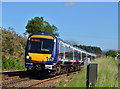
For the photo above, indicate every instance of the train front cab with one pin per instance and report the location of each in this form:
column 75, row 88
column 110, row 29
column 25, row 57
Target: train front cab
column 40, row 53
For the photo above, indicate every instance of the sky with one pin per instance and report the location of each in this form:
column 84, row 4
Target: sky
column 87, row 23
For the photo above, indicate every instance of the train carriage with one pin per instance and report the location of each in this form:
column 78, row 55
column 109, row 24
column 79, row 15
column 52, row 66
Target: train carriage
column 49, row 54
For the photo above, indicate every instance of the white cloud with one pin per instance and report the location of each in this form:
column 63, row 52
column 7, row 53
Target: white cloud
column 69, row 4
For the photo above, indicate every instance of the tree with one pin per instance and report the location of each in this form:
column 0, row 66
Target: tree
column 111, row 53
column 38, row 24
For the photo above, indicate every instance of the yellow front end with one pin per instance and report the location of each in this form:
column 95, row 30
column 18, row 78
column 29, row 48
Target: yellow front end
column 39, row 57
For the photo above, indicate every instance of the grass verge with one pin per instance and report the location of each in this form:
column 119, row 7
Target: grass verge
column 107, row 74
column 65, row 80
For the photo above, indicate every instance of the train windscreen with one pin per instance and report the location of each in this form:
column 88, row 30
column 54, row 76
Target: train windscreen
column 40, row 45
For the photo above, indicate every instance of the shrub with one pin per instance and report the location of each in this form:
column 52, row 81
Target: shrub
column 11, row 50
column 5, row 64
column 8, row 38
column 11, row 63
column 13, row 46
column 20, row 45
column 111, row 53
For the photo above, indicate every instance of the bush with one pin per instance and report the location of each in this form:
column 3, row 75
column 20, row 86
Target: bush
column 11, row 50
column 5, row 64
column 8, row 38
column 13, row 46
column 111, row 53
column 12, row 64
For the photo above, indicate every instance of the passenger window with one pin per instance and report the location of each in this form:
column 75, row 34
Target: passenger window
column 68, row 53
column 61, row 50
column 75, row 54
column 79, row 55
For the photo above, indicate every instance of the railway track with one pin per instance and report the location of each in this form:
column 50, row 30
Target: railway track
column 43, row 81
column 4, row 83
column 31, row 82
column 50, row 79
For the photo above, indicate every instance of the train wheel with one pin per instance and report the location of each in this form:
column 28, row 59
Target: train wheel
column 64, row 70
column 29, row 69
column 74, row 68
column 58, row 70
column 79, row 67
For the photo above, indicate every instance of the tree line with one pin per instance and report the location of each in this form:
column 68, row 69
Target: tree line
column 91, row 49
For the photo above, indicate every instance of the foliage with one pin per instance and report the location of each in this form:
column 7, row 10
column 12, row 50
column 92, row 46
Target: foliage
column 79, row 79
column 38, row 24
column 8, row 38
column 107, row 75
column 111, row 53
column 11, row 64
column 13, row 49
column 90, row 49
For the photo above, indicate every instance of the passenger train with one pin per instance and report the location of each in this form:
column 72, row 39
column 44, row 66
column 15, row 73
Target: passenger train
column 45, row 53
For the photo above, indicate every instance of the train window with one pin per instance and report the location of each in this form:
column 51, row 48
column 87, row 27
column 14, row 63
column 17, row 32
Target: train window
column 79, row 55
column 83, row 56
column 71, row 54
column 61, row 50
column 34, row 46
column 38, row 45
column 68, row 53
column 47, row 46
column 75, row 54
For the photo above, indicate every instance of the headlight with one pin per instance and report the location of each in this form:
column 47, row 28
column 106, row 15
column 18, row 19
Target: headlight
column 50, row 59
column 27, row 57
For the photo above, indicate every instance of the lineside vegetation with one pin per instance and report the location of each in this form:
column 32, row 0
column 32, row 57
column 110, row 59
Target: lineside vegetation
column 107, row 74
column 13, row 50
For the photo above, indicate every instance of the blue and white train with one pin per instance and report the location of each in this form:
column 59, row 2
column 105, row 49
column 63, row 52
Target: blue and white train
column 45, row 53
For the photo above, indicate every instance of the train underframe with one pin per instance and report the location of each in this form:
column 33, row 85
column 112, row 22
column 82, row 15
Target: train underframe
column 40, row 70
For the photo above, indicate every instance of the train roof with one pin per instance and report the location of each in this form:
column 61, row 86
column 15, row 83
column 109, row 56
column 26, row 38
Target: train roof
column 43, row 33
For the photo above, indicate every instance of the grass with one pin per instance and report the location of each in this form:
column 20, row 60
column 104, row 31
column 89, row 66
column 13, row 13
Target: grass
column 12, row 64
column 71, row 77
column 107, row 75
column 107, row 72
column 62, row 83
column 79, row 79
